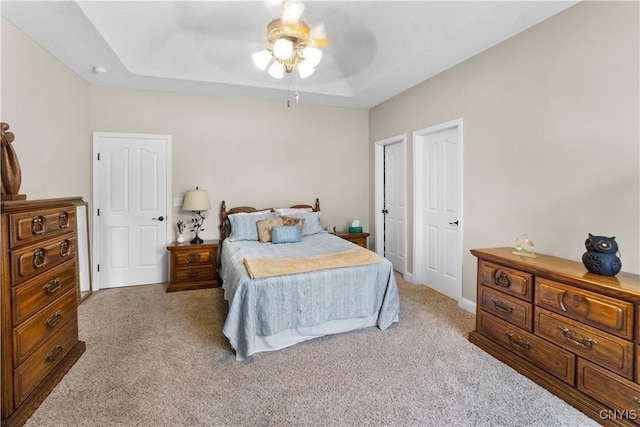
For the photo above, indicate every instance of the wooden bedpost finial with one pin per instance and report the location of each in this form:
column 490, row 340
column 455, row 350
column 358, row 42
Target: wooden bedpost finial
column 223, row 221
column 317, row 205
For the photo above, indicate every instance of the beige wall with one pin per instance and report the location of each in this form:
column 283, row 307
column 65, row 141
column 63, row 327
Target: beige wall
column 257, row 153
column 246, row 152
column 551, row 135
column 47, row 107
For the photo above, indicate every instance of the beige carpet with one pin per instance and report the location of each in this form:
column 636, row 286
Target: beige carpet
column 160, row 359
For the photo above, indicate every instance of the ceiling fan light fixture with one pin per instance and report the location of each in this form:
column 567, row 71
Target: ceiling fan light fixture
column 290, row 44
column 262, row 59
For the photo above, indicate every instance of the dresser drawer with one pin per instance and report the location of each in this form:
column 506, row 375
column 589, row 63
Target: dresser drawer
column 29, row 374
column 30, row 334
column 511, row 309
column 605, row 349
column 610, row 389
column 600, row 311
column 193, row 256
column 549, row 357
column 35, row 226
column 31, row 296
column 30, row 261
column 188, row 274
column 510, row 280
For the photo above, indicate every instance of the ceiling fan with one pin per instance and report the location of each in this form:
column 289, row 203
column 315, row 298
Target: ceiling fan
column 290, row 43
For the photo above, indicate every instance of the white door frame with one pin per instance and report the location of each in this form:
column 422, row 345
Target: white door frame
column 95, row 259
column 379, row 192
column 418, row 196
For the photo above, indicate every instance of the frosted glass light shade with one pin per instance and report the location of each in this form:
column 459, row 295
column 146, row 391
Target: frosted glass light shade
column 196, row 200
column 276, row 71
column 305, row 69
column 262, row 59
column 312, row 56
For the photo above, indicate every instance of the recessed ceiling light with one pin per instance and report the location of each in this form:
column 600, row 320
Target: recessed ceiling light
column 100, row 69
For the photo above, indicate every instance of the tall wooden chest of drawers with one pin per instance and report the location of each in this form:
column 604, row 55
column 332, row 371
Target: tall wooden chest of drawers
column 573, row 332
column 39, row 302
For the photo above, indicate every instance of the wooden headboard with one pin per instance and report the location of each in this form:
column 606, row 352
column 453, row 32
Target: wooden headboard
column 224, row 213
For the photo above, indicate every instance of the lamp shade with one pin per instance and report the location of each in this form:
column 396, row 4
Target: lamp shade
column 196, row 200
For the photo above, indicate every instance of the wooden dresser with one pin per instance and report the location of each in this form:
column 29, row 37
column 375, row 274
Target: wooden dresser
column 573, row 332
column 39, row 302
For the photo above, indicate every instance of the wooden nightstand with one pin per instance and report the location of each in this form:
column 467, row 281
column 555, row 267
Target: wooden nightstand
column 193, row 266
column 359, row 239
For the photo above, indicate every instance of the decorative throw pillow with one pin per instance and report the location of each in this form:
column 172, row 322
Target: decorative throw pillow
column 311, row 222
column 243, row 226
column 287, row 220
column 264, row 228
column 285, row 234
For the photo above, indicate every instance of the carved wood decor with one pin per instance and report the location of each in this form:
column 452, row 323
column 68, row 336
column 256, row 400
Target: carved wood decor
column 10, row 167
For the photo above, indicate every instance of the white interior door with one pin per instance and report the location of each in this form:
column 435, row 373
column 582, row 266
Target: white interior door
column 394, row 206
column 390, row 201
column 132, row 208
column 437, row 202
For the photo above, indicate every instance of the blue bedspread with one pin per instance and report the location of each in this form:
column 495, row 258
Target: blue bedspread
column 266, row 306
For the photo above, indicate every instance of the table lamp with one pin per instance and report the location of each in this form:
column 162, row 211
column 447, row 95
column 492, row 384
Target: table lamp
column 196, row 201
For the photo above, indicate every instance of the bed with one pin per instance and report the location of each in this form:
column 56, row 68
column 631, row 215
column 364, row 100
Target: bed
column 286, row 280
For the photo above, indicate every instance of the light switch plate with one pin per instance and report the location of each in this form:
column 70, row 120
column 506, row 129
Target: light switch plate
column 177, row 202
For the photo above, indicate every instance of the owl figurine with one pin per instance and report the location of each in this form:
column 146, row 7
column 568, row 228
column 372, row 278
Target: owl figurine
column 602, row 256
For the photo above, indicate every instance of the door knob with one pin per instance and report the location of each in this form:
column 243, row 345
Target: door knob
column 159, row 219
column 454, row 222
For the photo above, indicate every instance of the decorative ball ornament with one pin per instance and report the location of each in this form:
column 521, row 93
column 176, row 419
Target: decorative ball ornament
column 602, row 256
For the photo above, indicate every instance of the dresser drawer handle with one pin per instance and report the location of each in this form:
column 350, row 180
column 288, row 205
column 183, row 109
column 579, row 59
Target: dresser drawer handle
column 501, row 278
column 52, row 321
column 52, row 286
column 37, row 226
column 637, row 400
column 64, row 248
column 501, row 306
column 54, row 354
column 576, row 339
column 193, row 257
column 519, row 342
column 193, row 273
column 63, row 220
column 39, row 258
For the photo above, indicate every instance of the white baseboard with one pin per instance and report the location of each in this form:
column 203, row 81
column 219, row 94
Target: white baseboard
column 468, row 305
column 409, row 278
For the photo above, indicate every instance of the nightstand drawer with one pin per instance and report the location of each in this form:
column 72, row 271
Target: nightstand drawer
column 549, row 357
column 509, row 280
column 513, row 310
column 193, row 256
column 189, row 274
column 600, row 347
column 600, row 311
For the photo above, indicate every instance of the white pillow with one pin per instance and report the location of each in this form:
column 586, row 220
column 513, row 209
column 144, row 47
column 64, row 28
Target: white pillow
column 291, row 211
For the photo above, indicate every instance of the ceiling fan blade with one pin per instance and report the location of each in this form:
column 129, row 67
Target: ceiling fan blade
column 319, row 36
column 274, row 7
column 292, row 11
